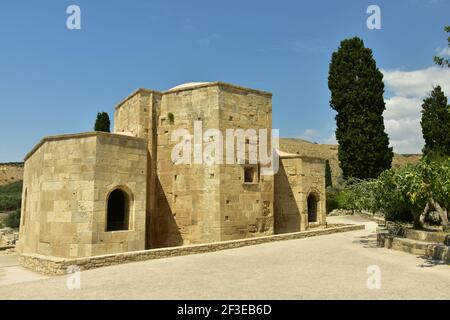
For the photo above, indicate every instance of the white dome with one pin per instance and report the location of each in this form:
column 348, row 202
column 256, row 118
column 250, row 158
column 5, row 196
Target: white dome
column 188, row 85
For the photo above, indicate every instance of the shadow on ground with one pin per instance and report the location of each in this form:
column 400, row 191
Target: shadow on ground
column 369, row 241
column 427, row 262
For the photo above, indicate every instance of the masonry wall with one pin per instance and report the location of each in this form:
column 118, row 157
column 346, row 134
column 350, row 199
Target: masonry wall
column 66, row 183
column 187, row 195
column 313, row 182
column 121, row 163
column 297, row 178
column 198, row 203
column 246, row 209
column 138, row 115
column 288, row 197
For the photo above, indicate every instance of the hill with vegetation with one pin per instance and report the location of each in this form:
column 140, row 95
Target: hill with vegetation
column 10, row 202
column 329, row 151
column 10, row 172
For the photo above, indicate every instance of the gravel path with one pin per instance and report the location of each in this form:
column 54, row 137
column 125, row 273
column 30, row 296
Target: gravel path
column 325, row 267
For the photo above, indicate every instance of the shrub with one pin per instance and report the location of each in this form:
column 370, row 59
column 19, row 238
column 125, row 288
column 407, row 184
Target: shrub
column 334, row 199
column 14, row 187
column 11, row 196
column 357, row 195
column 9, row 202
column 328, row 178
column 389, row 198
column 13, row 219
column 402, row 194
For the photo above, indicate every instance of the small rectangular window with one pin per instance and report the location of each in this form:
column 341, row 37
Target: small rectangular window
column 249, row 175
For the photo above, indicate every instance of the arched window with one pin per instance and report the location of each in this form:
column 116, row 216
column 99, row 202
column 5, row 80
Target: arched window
column 118, row 211
column 312, row 208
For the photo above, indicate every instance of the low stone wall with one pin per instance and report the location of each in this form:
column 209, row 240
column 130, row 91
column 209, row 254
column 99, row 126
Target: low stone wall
column 421, row 235
column 435, row 251
column 58, row 266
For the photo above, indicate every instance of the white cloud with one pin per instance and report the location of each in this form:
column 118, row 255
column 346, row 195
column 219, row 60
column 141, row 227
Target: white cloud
column 403, row 108
column 311, row 134
column 444, row 52
column 330, row 140
column 417, row 83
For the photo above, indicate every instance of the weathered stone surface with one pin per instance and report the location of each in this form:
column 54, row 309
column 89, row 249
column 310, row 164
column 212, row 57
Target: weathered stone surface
column 199, row 203
column 300, row 178
column 67, row 181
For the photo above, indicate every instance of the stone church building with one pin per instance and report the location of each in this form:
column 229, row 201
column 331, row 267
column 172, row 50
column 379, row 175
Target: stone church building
column 98, row 193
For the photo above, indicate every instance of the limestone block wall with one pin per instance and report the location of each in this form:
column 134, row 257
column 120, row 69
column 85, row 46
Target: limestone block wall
column 198, row 203
column 121, row 162
column 246, row 208
column 297, row 179
column 288, row 197
column 313, row 182
column 138, row 115
column 67, row 180
column 187, row 195
column 133, row 114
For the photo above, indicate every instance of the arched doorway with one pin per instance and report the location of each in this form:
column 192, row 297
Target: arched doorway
column 312, row 208
column 118, row 210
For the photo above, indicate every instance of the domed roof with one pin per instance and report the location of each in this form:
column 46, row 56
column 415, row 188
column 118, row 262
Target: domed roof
column 188, row 85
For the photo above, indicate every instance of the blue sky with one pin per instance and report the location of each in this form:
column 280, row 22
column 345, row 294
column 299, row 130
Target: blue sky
column 54, row 80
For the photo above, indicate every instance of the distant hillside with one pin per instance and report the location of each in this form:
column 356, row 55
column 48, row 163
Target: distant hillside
column 10, row 172
column 329, row 151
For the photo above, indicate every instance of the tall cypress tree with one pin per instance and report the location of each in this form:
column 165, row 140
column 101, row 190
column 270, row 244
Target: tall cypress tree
column 357, row 88
column 328, row 179
column 102, row 122
column 436, row 124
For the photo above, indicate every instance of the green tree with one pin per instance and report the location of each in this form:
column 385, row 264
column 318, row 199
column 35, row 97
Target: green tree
column 441, row 61
column 328, row 180
column 102, row 122
column 357, row 88
column 436, row 124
